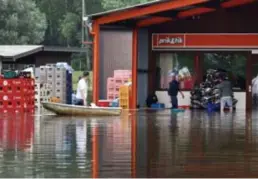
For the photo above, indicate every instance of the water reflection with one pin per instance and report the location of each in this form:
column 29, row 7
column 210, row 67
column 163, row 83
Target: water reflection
column 143, row 144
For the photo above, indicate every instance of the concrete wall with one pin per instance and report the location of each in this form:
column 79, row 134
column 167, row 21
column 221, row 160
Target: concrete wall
column 143, row 59
column 115, row 54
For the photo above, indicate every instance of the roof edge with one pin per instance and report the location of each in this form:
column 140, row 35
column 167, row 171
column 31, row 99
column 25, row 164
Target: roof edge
column 26, row 53
column 125, row 8
column 63, row 49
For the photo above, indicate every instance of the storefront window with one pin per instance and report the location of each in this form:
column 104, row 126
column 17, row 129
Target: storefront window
column 180, row 62
column 234, row 64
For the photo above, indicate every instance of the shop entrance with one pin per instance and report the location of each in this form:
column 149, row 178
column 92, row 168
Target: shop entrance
column 202, row 65
column 231, row 65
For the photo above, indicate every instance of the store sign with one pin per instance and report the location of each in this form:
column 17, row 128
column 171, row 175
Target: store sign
column 167, row 40
column 170, row 40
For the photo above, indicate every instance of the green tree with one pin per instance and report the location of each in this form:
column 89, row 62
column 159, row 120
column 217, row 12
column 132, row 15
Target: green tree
column 21, row 22
column 114, row 4
column 70, row 29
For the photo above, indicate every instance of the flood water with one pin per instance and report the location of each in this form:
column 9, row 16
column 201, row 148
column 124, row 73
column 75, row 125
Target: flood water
column 137, row 144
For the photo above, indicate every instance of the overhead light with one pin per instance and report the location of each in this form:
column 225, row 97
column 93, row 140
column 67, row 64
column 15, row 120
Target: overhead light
column 85, row 18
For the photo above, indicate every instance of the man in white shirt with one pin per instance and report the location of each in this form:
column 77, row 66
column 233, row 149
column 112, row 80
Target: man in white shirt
column 82, row 90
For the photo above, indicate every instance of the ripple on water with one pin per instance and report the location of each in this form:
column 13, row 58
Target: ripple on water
column 145, row 144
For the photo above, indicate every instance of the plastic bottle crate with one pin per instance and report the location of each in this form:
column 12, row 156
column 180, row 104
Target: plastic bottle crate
column 116, row 95
column 158, row 106
column 124, row 96
column 124, row 103
column 119, row 73
column 110, row 96
column 9, row 74
column 110, row 80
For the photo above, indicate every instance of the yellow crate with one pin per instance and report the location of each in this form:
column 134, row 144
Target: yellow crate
column 124, row 103
column 55, row 100
column 124, row 97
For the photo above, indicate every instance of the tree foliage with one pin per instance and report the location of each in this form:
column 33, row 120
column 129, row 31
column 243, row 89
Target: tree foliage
column 21, row 22
column 52, row 22
column 70, row 28
column 115, row 4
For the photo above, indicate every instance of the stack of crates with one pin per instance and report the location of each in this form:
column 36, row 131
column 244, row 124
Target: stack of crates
column 17, row 95
column 60, row 84
column 43, row 93
column 51, row 78
column 114, row 83
column 42, row 78
column 110, row 88
column 125, row 96
column 69, row 87
column 54, row 82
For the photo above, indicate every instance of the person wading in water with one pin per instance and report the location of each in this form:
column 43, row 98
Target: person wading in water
column 173, row 91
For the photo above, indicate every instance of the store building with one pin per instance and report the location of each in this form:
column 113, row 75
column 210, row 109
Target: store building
column 198, row 34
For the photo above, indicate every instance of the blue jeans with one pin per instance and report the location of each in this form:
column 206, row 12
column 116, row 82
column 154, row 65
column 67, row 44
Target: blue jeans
column 226, row 100
column 174, row 102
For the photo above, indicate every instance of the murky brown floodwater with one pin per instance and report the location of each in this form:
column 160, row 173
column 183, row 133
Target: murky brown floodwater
column 154, row 144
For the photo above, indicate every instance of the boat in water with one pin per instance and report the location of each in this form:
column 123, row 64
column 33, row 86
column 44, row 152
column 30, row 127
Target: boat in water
column 74, row 110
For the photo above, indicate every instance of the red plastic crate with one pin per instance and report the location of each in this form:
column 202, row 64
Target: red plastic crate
column 104, row 103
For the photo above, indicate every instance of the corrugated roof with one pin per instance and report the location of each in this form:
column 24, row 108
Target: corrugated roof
column 13, row 52
column 18, row 51
column 96, row 15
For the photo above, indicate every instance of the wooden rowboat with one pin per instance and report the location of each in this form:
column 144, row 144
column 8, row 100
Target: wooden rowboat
column 73, row 110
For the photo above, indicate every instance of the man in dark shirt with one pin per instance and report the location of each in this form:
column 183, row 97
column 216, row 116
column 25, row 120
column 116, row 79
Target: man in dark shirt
column 173, row 92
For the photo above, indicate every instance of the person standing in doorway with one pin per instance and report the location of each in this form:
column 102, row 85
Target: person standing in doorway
column 82, row 90
column 226, row 94
column 173, row 90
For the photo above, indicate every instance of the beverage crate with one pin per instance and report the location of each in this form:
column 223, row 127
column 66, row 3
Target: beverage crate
column 116, row 95
column 60, row 84
column 110, row 96
column 104, row 103
column 60, row 91
column 51, row 65
column 111, row 85
column 124, row 96
column 43, row 69
column 122, row 73
column 51, row 78
column 43, row 74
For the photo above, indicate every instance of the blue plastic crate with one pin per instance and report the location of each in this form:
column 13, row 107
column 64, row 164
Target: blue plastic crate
column 114, row 104
column 158, row 106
